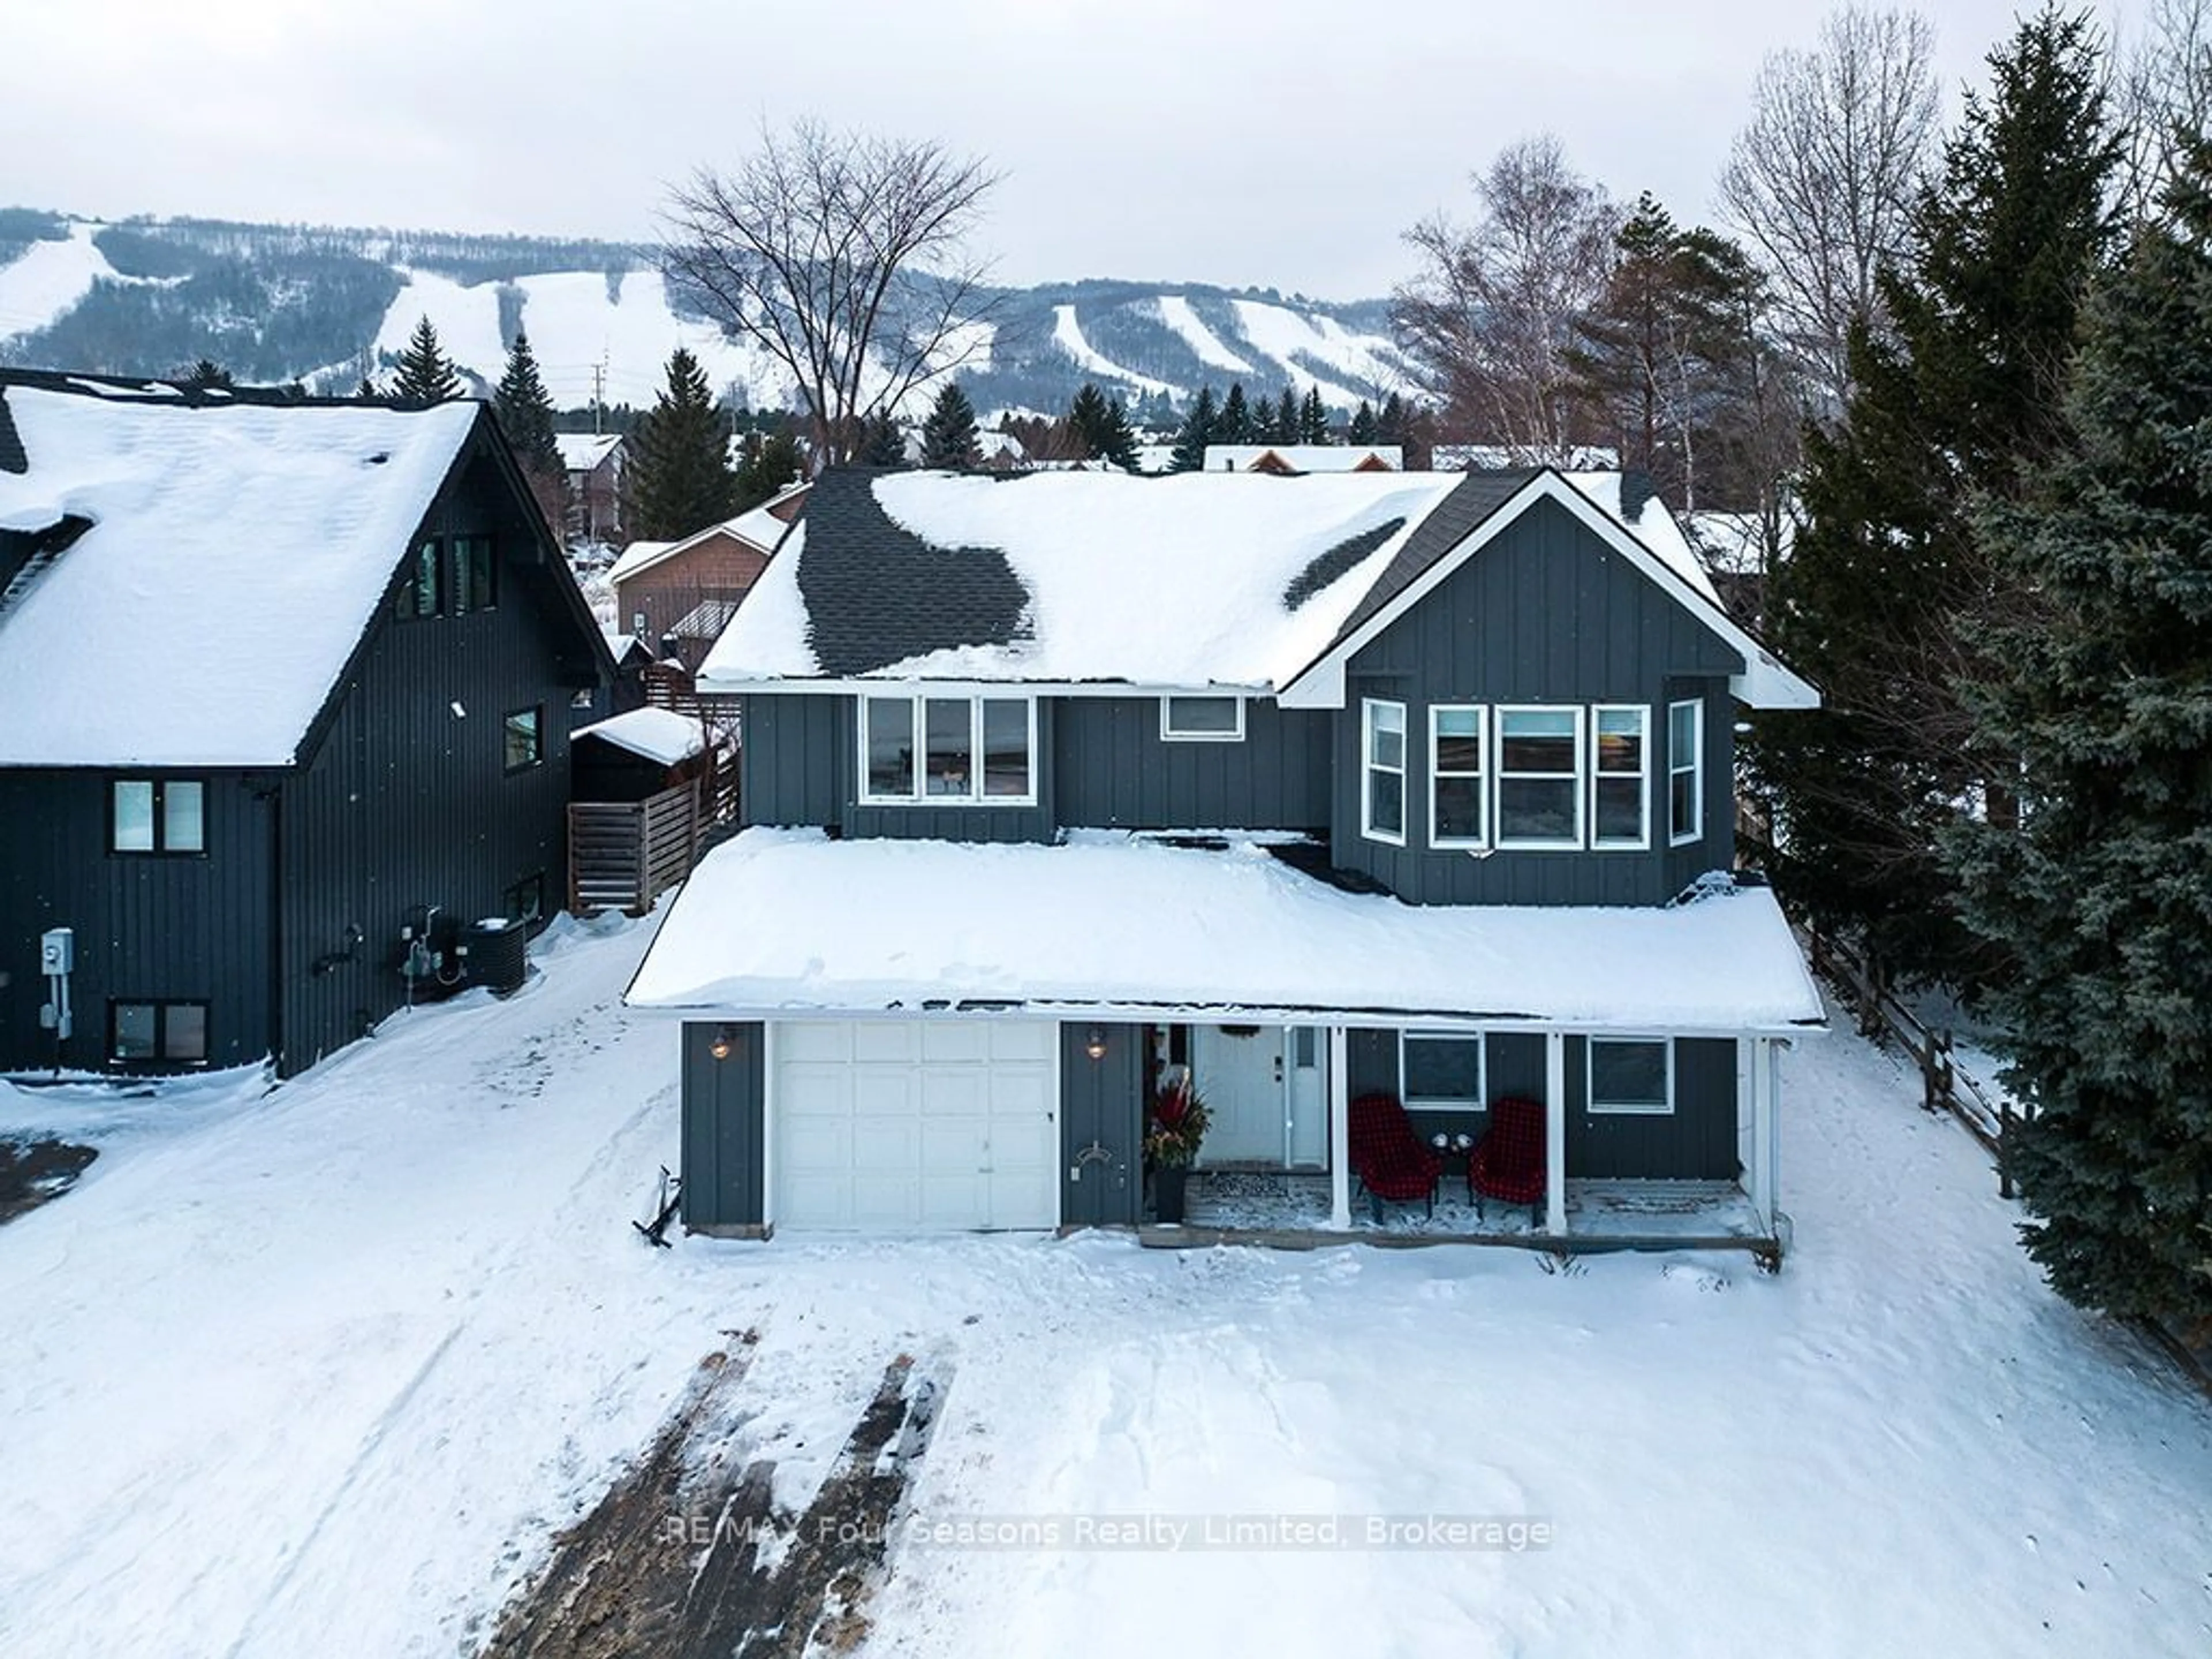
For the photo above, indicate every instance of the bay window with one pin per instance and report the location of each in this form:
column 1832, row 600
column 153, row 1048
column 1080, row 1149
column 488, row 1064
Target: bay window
column 1618, row 794
column 1383, row 771
column 1540, row 777
column 1457, row 780
column 1685, row 804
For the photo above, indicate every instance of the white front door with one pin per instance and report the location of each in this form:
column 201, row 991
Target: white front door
column 1239, row 1074
column 907, row 1126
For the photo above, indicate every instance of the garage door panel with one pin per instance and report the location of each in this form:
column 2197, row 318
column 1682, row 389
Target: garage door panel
column 902, row 1125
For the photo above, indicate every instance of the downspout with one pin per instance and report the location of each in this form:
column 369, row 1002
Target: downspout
column 278, row 917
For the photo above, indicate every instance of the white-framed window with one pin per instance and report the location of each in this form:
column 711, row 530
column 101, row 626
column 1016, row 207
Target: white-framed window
column 1631, row 1076
column 948, row 751
column 1540, row 778
column 1685, row 794
column 1459, row 774
column 1202, row 719
column 1383, row 770
column 1441, row 1070
column 1620, row 774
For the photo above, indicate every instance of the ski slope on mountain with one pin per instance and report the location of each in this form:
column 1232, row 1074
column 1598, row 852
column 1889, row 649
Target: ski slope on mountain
column 1067, row 335
column 48, row 278
column 1175, row 311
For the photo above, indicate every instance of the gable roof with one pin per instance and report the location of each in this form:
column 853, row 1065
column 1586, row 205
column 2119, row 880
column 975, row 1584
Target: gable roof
column 1304, row 458
column 1667, row 560
column 761, row 529
column 1199, row 579
column 237, row 552
column 583, row 451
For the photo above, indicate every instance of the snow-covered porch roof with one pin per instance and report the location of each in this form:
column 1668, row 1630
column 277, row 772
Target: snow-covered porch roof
column 790, row 922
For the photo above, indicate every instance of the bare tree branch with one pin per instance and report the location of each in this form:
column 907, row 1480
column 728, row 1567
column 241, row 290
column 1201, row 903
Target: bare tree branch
column 842, row 256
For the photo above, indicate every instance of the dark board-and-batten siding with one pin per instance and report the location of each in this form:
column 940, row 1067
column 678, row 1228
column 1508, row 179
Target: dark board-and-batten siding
column 1545, row 613
column 724, row 1158
column 148, row 927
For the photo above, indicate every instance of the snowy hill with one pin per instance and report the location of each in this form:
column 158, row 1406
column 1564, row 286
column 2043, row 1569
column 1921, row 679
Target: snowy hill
column 273, row 303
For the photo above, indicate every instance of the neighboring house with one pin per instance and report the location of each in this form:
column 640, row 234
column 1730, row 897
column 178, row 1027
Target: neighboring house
column 593, row 461
column 285, row 693
column 1292, row 459
column 678, row 596
column 1409, row 783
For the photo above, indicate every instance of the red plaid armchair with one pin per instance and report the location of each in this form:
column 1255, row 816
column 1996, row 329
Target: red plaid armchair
column 1508, row 1163
column 1391, row 1161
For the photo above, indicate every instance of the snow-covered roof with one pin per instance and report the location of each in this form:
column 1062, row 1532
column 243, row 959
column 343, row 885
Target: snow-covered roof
column 581, row 452
column 789, row 921
column 657, row 734
column 1305, row 458
column 1233, row 579
column 1650, row 523
column 1468, row 457
column 761, row 528
column 236, row 556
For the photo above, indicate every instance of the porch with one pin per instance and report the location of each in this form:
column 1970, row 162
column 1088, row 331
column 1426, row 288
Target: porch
column 1291, row 1210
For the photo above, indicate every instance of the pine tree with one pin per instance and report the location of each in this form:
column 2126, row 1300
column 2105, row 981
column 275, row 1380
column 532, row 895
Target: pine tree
column 524, row 412
column 948, row 436
column 1283, row 429
column 1198, row 431
column 1886, row 574
column 1392, row 424
column 2101, row 897
column 1361, row 429
column 425, row 375
column 1313, row 418
column 208, row 374
column 1234, row 424
column 679, row 479
column 1101, row 424
column 772, row 463
column 884, row 444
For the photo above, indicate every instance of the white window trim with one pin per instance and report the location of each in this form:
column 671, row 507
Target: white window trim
column 1596, row 1107
column 1169, row 734
column 1430, row 1103
column 1643, row 713
column 1497, row 775
column 1696, row 768
column 917, row 714
column 1368, row 766
column 1460, row 843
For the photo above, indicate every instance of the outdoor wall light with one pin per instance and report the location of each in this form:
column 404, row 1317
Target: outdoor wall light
column 1094, row 1045
column 725, row 1039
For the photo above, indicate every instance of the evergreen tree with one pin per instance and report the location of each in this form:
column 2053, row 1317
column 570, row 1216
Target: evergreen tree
column 208, row 374
column 772, row 463
column 884, row 444
column 1886, row 574
column 425, row 375
column 367, row 390
column 1362, row 430
column 525, row 413
column 679, row 479
column 2101, row 896
column 1234, row 424
column 1392, row 425
column 1285, row 428
column 948, row 436
column 1313, row 418
column 1198, row 431
column 1101, row 425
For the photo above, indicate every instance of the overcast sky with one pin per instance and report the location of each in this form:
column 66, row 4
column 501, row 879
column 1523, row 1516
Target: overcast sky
column 1283, row 144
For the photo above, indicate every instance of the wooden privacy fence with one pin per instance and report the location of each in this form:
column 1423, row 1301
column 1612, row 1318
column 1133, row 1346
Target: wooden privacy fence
column 1943, row 1086
column 624, row 855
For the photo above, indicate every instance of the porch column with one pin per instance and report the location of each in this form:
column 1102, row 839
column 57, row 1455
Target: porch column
column 1339, row 1130
column 1762, row 1131
column 1555, row 1132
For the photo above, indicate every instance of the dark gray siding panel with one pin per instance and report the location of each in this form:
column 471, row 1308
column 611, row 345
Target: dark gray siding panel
column 1544, row 614
column 407, row 803
column 1101, row 1128
column 1697, row 1143
column 1371, row 1057
column 790, row 769
column 147, row 928
column 725, row 1122
column 1112, row 771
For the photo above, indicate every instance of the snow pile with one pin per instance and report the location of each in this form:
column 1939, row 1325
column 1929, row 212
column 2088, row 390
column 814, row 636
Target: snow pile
column 790, row 920
column 236, row 556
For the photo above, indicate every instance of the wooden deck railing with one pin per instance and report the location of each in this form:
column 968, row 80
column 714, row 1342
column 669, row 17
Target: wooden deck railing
column 624, row 855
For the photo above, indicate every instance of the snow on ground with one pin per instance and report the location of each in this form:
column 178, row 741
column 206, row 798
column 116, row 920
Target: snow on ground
column 1179, row 314
column 1067, row 335
column 341, row 1359
column 48, row 278
column 1298, row 343
column 466, row 315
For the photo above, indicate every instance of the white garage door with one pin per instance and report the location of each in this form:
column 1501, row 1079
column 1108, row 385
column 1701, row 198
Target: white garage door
column 906, row 1126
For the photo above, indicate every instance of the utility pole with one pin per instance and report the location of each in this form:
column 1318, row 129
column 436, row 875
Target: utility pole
column 598, row 393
